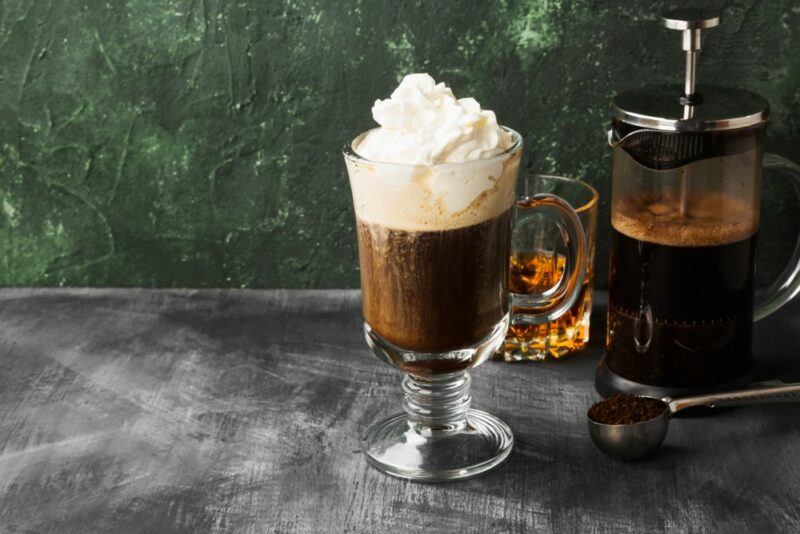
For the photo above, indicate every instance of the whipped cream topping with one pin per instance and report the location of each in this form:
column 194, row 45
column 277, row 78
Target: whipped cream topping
column 435, row 163
column 423, row 123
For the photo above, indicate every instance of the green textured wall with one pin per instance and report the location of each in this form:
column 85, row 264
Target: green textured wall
column 197, row 142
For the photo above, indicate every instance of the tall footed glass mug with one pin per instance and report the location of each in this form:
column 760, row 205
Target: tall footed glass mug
column 434, row 244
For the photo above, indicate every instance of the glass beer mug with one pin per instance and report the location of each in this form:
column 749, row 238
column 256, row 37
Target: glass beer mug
column 687, row 169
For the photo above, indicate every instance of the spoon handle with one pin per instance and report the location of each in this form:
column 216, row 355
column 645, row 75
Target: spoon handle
column 758, row 395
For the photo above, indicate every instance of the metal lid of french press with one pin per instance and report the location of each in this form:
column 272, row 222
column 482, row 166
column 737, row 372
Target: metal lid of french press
column 691, row 108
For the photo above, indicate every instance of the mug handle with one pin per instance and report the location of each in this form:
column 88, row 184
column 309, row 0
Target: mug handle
column 553, row 303
column 788, row 283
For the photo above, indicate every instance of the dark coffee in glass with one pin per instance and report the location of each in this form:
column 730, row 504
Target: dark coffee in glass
column 680, row 302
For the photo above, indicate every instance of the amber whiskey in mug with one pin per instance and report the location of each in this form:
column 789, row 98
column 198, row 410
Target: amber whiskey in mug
column 537, row 272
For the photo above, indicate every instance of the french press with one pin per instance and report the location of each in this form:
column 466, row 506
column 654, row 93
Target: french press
column 686, row 193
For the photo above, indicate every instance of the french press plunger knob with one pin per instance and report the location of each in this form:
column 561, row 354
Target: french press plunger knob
column 690, row 21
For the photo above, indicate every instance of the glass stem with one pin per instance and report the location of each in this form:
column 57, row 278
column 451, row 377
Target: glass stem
column 437, row 402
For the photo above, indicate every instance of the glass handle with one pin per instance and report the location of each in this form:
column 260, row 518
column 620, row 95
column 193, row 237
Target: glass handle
column 788, row 283
column 559, row 299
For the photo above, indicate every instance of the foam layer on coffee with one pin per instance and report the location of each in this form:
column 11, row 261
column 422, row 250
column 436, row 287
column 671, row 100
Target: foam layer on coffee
column 432, row 198
column 711, row 219
column 435, row 163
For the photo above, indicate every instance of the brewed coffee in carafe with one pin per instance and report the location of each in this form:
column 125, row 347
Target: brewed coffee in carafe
column 683, row 247
column 687, row 166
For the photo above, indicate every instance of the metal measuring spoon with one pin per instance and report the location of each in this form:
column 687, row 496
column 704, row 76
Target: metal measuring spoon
column 629, row 442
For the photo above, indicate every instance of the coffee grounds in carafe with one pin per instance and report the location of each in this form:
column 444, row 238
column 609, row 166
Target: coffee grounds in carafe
column 710, row 219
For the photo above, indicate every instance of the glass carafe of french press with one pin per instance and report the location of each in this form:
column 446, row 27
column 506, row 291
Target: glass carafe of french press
column 685, row 218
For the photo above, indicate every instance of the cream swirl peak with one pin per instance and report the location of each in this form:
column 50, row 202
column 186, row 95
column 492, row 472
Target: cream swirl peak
column 423, row 123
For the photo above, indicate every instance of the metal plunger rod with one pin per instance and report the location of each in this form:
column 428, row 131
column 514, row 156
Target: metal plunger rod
column 684, row 207
column 691, row 72
column 690, row 22
column 691, row 45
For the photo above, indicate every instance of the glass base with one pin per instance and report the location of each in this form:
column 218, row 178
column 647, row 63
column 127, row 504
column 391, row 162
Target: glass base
column 439, row 437
column 536, row 341
column 409, row 450
column 520, row 349
column 607, row 382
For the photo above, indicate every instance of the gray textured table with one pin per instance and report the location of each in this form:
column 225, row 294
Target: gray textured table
column 216, row 411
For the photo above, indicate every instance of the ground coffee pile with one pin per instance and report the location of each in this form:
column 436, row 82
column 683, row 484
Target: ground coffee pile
column 624, row 409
